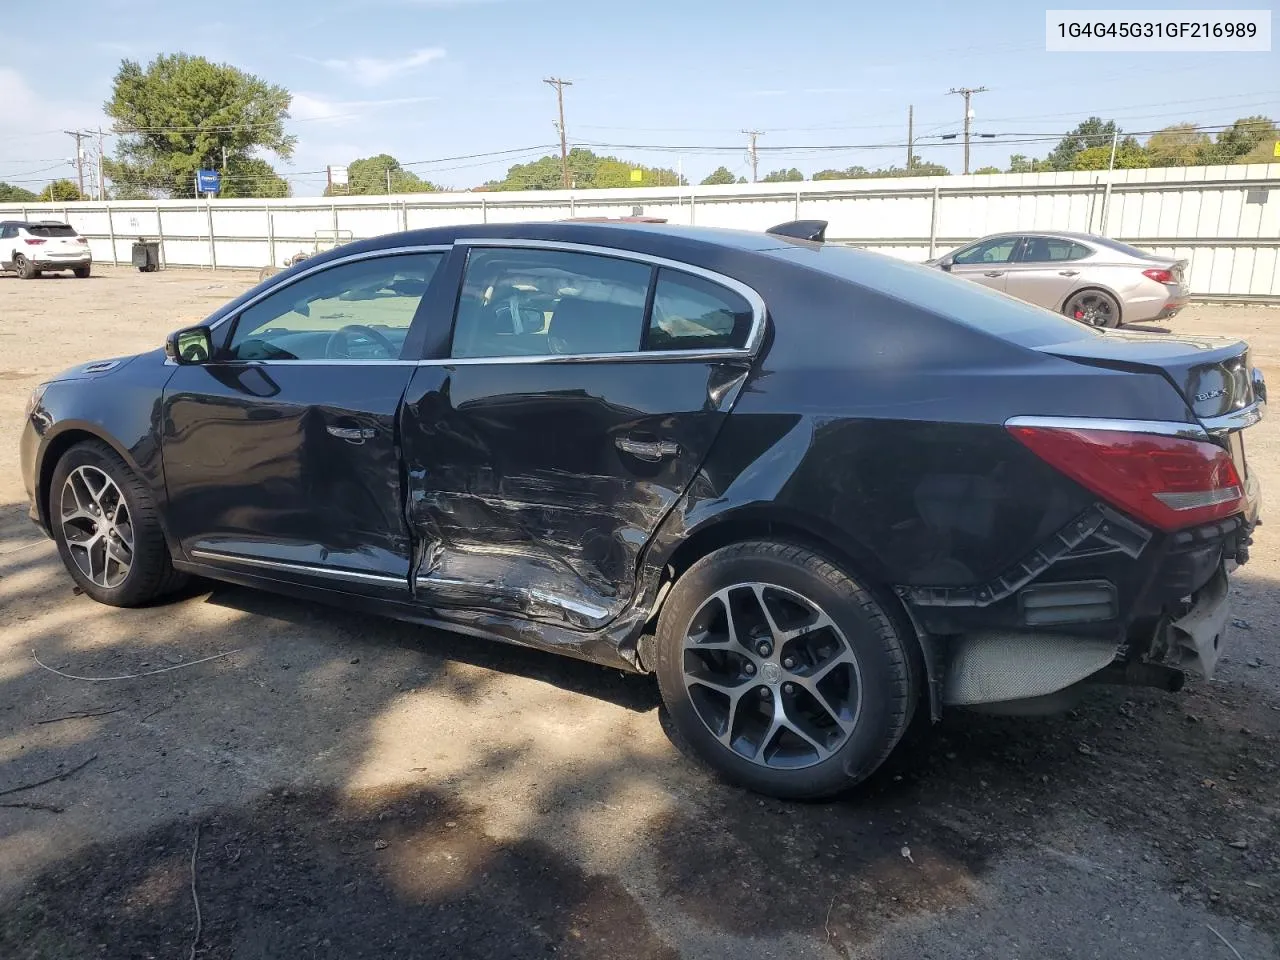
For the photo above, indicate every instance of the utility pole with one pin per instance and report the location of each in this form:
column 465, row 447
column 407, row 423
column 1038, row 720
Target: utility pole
column 388, row 181
column 967, row 92
column 564, row 141
column 910, row 133
column 224, row 161
column 754, row 154
column 102, row 170
column 79, row 135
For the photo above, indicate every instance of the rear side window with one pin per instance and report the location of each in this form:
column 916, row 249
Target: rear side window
column 526, row 302
column 690, row 313
column 1052, row 249
column 50, row 230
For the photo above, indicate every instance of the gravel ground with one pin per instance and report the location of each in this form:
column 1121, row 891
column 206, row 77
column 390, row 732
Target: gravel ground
column 342, row 786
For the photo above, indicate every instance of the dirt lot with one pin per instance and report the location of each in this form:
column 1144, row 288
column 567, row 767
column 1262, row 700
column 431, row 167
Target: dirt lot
column 361, row 788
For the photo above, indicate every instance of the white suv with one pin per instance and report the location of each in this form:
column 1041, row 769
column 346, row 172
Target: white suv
column 30, row 249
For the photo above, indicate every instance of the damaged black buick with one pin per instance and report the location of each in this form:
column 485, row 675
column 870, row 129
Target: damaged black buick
column 812, row 489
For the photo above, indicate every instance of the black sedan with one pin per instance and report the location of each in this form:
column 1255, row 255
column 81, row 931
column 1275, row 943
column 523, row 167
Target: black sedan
column 812, row 489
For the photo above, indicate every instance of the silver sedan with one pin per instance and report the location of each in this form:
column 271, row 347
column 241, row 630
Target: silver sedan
column 1094, row 279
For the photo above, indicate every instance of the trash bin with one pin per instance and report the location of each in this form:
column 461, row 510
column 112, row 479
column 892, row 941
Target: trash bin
column 146, row 255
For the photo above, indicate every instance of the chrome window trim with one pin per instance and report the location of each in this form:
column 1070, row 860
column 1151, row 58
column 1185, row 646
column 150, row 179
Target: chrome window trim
column 339, row 261
column 336, row 573
column 1236, row 420
column 758, row 309
column 1164, row 428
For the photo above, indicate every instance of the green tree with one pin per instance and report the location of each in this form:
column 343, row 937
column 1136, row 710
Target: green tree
column 1248, row 140
column 368, row 176
column 253, row 177
column 182, row 112
column 1177, row 145
column 61, row 191
column 11, row 194
column 849, row 173
column 783, row 176
column 988, row 170
column 742, row 179
column 1130, row 155
column 1021, row 163
column 1094, row 132
column 719, row 176
column 586, row 170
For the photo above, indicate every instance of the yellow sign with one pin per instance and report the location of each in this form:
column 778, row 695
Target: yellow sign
column 1275, row 151
column 638, row 175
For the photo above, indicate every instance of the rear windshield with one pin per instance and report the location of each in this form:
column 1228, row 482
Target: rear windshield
column 938, row 292
column 1118, row 246
column 50, row 230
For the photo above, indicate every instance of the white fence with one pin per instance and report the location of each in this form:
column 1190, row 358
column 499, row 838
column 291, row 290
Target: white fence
column 1225, row 220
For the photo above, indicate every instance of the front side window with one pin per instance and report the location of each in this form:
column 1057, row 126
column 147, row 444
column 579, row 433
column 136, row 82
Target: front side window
column 1052, row 250
column 359, row 310
column 996, row 250
column 690, row 313
column 520, row 302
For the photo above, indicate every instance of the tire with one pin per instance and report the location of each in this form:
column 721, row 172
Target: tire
column 149, row 574
column 847, row 646
column 1093, row 307
column 22, row 266
column 82, row 273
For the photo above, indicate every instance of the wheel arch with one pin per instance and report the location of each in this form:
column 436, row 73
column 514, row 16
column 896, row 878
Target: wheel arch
column 768, row 522
column 55, row 446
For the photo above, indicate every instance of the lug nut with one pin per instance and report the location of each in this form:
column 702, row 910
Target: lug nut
column 749, row 668
column 764, row 693
column 788, row 688
column 764, row 649
column 789, row 663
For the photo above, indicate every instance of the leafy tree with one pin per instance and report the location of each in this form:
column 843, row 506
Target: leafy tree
column 586, row 170
column 783, row 176
column 180, row 114
column 850, row 173
column 1248, row 140
column 918, row 168
column 1094, row 132
column 253, row 177
column 1130, row 155
column 61, row 191
column 988, row 170
column 368, row 176
column 719, row 176
column 1021, row 163
column 1177, row 145
column 742, row 179
column 11, row 194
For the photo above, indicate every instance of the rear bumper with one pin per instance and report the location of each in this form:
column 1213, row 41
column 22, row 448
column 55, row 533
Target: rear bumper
column 1155, row 301
column 63, row 263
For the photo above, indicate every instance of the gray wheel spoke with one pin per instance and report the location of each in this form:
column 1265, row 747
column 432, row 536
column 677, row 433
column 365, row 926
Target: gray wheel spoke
column 96, row 526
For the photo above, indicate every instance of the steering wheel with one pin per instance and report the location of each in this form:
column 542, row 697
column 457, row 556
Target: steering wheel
column 340, row 335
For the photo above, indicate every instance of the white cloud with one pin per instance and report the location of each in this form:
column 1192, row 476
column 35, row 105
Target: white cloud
column 312, row 107
column 371, row 71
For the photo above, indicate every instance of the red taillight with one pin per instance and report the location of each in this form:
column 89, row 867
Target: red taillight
column 1168, row 482
column 32, row 241
column 1160, row 276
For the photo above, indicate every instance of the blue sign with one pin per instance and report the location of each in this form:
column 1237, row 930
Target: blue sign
column 208, row 181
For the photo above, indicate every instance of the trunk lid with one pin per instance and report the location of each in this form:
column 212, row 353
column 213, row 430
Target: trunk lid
column 1214, row 376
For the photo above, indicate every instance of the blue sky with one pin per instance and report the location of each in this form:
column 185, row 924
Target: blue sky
column 429, row 79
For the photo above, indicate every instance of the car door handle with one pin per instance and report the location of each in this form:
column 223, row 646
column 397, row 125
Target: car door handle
column 648, row 450
column 352, row 434
column 993, row 273
column 1068, row 273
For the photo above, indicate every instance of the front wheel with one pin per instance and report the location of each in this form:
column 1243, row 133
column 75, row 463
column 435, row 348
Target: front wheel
column 1093, row 307
column 107, row 528
column 781, row 671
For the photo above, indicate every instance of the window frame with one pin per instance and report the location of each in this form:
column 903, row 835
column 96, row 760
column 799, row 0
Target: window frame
column 223, row 329
column 754, row 338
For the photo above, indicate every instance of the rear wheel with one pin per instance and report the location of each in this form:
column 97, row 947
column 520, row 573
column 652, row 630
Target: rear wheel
column 107, row 529
column 81, row 272
column 23, row 267
column 781, row 671
column 1093, row 307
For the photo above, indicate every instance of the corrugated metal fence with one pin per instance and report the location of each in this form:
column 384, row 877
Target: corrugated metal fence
column 1225, row 220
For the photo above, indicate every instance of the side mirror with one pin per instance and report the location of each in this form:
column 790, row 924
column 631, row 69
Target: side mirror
column 945, row 263
column 189, row 346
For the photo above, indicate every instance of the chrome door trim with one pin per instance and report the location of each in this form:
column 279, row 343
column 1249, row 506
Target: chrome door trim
column 758, row 309
column 1164, row 428
column 335, row 573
